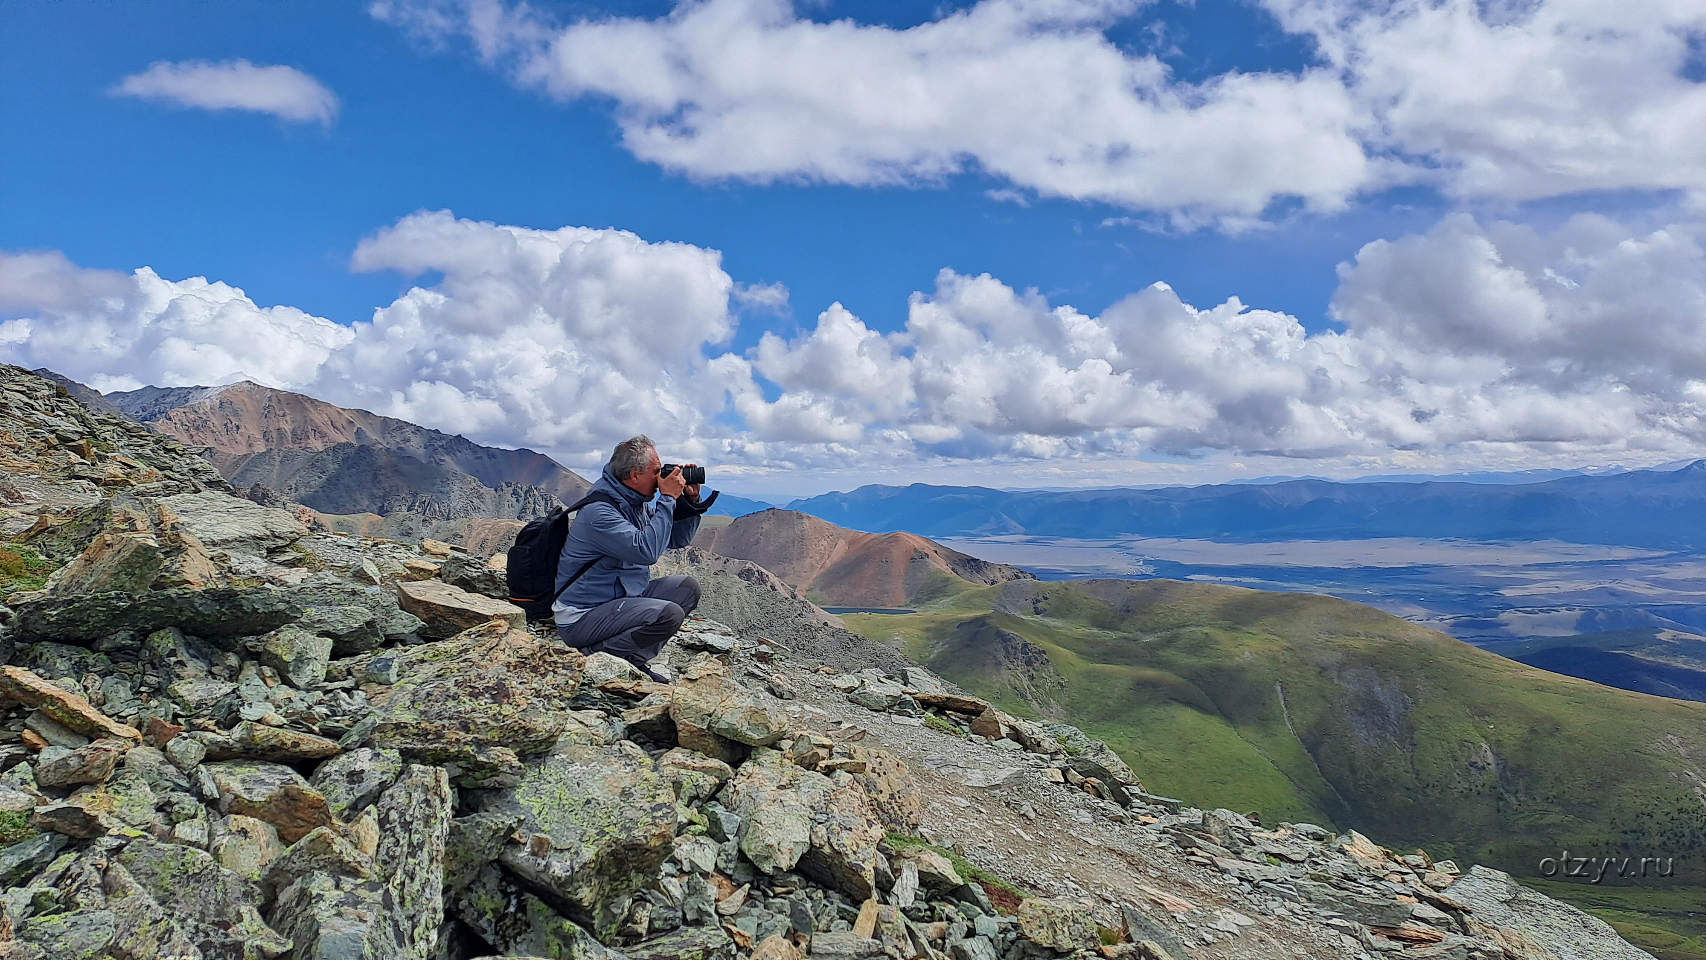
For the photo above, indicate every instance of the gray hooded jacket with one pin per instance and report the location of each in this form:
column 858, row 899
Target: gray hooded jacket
column 625, row 542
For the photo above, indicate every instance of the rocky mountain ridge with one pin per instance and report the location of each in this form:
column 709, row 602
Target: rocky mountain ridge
column 226, row 735
column 342, row 461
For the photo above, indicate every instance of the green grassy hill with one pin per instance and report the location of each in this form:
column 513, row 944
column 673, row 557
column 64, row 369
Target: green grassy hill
column 1304, row 707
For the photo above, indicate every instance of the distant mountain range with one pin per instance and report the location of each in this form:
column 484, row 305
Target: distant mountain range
column 837, row 567
column 1656, row 508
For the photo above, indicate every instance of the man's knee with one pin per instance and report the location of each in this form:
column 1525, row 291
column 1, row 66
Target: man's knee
column 689, row 594
column 671, row 615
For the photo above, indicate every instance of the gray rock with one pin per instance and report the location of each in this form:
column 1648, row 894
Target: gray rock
column 688, row 943
column 214, row 906
column 223, row 522
column 351, row 781
column 214, row 612
column 601, row 819
column 474, row 575
column 878, row 694
column 1498, row 901
column 91, row 764
column 22, row 860
column 299, row 657
column 333, row 918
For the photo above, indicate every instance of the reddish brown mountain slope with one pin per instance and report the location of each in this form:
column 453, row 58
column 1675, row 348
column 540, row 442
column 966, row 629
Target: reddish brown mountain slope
column 844, row 568
column 342, row 461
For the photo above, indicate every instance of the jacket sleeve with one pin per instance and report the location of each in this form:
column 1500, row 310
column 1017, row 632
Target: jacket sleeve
column 681, row 534
column 610, row 533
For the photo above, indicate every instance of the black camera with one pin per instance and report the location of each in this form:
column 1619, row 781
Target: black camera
column 691, row 475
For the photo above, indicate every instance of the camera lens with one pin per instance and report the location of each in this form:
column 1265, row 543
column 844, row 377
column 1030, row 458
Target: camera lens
column 693, row 475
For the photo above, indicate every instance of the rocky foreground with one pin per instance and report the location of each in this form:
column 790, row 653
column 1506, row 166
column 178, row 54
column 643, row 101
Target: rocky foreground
column 228, row 735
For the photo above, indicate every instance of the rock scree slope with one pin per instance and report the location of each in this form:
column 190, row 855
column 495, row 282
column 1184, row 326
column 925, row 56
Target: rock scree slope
column 319, row 776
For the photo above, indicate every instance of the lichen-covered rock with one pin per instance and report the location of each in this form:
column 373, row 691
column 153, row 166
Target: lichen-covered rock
column 446, row 610
column 414, row 822
column 718, row 718
column 352, row 780
column 600, row 819
column 478, row 702
column 271, row 792
column 775, row 799
column 214, row 906
column 688, row 943
column 889, row 786
column 71, row 768
column 1057, row 925
column 224, row 522
column 244, row 845
column 331, row 918
column 694, row 775
column 214, row 612
column 63, row 707
column 522, row 925
column 299, row 657
column 259, row 741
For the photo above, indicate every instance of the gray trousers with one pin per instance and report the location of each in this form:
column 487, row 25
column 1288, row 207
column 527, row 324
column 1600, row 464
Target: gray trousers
column 635, row 628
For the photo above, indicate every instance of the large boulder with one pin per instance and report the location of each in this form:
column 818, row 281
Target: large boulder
column 215, row 907
column 446, row 610
column 1496, row 902
column 717, row 717
column 600, row 821
column 520, row 924
column 221, row 521
column 776, row 799
column 1057, row 925
column 478, row 702
column 299, row 657
column 214, row 612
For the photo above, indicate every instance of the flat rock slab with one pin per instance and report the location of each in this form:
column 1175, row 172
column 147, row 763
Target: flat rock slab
column 62, row 707
column 446, row 610
column 225, row 522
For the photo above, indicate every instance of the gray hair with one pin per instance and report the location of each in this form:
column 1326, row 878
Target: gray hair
column 634, row 453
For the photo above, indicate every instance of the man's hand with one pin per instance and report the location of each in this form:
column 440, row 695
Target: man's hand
column 671, row 484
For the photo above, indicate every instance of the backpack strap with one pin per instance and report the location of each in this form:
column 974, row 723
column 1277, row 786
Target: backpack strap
column 595, row 496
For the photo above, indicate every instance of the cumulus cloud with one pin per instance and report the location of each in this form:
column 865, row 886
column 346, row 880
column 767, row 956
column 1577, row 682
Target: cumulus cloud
column 284, row 92
column 1482, row 100
column 1031, row 92
column 1480, row 343
column 118, row 331
column 1494, row 341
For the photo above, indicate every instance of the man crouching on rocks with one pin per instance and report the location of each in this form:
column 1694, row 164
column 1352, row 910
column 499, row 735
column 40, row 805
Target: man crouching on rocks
column 615, row 606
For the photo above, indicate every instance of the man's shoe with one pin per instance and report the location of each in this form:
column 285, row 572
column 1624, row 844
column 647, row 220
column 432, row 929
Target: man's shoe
column 657, row 675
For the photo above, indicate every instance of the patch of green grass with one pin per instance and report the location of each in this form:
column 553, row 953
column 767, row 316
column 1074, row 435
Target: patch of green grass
column 15, row 826
column 968, row 871
column 938, row 724
column 21, row 568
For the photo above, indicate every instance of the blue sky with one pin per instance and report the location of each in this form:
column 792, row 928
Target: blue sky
column 519, row 133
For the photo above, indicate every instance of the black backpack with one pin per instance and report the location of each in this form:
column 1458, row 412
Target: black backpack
column 532, row 570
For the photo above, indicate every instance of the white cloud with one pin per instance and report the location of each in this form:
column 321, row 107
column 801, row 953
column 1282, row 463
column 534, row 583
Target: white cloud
column 1502, row 101
column 284, row 92
column 120, row 331
column 1031, row 92
column 1482, row 344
